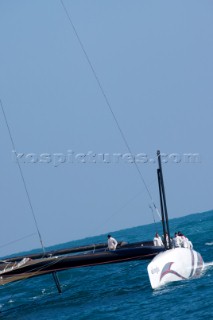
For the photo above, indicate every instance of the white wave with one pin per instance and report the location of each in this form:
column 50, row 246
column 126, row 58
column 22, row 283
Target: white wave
column 209, row 243
column 208, row 264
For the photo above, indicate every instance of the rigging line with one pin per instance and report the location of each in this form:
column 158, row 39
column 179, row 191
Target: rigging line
column 154, row 217
column 20, row 239
column 22, row 177
column 118, row 211
column 106, row 99
column 150, row 207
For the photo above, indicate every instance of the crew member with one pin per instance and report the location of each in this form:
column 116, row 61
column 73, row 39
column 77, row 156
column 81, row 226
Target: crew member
column 176, row 241
column 157, row 241
column 112, row 243
column 184, row 241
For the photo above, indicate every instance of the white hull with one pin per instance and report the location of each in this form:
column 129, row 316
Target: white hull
column 174, row 265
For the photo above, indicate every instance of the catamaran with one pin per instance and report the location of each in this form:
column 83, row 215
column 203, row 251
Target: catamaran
column 168, row 264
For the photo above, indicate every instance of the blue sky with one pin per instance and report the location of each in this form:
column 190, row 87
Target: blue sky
column 154, row 62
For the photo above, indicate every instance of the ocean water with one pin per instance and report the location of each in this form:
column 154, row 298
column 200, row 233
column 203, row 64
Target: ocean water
column 119, row 291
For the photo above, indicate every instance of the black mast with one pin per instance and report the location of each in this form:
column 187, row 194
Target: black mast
column 164, row 213
column 161, row 204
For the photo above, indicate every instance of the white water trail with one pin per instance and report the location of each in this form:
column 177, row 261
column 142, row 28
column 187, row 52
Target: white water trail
column 208, row 264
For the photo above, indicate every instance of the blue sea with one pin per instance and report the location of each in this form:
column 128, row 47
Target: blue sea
column 119, row 291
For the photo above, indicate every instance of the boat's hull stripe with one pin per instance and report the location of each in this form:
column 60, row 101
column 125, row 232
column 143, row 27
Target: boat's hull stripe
column 167, row 270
